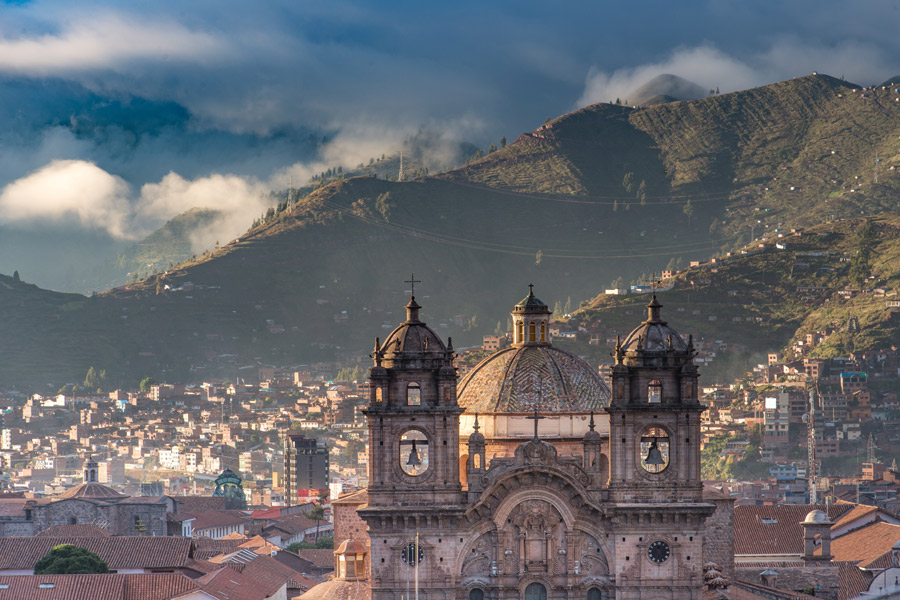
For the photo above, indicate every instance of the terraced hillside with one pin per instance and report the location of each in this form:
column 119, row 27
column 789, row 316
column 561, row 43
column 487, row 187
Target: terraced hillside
column 602, row 193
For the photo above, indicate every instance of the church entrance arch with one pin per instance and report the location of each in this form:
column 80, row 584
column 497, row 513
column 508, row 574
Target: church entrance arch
column 536, row 591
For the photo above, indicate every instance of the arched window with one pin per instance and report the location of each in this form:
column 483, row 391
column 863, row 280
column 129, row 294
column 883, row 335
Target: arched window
column 535, row 591
column 520, row 331
column 476, row 594
column 654, row 450
column 476, row 461
column 413, row 395
column 378, row 395
column 414, row 456
column 654, row 392
column 531, row 331
column 594, row 594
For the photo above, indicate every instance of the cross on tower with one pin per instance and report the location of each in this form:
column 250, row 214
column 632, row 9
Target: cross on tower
column 531, row 289
column 412, row 281
column 535, row 418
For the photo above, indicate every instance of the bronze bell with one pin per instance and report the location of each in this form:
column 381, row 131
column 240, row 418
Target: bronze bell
column 413, row 460
column 654, row 456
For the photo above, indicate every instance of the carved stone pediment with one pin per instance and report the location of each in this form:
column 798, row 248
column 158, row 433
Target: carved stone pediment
column 536, row 453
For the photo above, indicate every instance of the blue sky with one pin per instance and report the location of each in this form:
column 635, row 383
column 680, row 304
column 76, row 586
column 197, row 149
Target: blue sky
column 211, row 94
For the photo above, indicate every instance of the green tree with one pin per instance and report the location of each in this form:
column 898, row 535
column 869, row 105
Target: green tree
column 16, row 277
column 642, row 192
column 67, row 559
column 503, row 142
column 688, row 210
column 146, row 382
column 628, row 182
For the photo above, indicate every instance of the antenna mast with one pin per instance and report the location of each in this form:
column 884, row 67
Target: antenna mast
column 811, row 448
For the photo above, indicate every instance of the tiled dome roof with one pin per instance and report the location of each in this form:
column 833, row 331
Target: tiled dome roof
column 529, row 378
column 91, row 490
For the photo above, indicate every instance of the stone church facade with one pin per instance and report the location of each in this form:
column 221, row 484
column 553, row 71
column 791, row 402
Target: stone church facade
column 620, row 515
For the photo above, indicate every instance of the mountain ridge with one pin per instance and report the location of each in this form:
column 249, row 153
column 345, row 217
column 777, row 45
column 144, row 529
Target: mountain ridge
column 600, row 193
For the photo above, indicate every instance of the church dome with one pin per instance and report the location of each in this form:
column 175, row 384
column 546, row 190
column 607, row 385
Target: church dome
column 412, row 340
column 92, row 491
column 654, row 334
column 523, row 379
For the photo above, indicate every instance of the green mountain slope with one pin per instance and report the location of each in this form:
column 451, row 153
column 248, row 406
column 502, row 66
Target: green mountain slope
column 560, row 207
column 767, row 299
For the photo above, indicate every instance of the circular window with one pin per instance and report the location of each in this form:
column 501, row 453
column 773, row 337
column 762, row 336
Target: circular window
column 654, row 450
column 413, row 457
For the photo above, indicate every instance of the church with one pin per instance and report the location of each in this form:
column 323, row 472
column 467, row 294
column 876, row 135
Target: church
column 531, row 478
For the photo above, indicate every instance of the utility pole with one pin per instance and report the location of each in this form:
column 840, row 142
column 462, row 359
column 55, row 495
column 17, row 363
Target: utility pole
column 400, row 175
column 811, row 449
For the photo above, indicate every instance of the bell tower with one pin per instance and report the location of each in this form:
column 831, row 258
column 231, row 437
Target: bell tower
column 655, row 488
column 655, row 415
column 415, row 498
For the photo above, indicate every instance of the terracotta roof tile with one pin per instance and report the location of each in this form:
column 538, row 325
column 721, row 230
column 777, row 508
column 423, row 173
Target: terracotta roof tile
column 125, row 552
column 215, row 518
column 85, row 530
column 775, row 530
column 322, row 558
column 852, row 581
column 867, row 544
column 94, row 587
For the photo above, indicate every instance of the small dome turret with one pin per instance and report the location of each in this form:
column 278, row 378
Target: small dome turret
column 531, row 321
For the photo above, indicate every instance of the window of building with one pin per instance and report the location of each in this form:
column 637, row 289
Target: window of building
column 520, row 331
column 535, row 591
column 476, row 594
column 413, row 395
column 654, row 392
column 531, row 332
column 73, row 521
column 379, row 395
column 543, row 332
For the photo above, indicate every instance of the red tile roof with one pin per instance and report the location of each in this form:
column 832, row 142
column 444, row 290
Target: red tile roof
column 867, row 544
column 322, row 558
column 775, row 530
column 125, row 552
column 216, row 518
column 94, row 587
column 85, row 530
column 852, row 581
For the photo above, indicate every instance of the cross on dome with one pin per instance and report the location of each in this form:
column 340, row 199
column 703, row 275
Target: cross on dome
column 412, row 281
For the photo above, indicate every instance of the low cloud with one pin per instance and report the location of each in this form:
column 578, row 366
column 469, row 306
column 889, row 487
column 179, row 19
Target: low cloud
column 74, row 192
column 105, row 41
column 238, row 199
column 65, row 191
column 712, row 68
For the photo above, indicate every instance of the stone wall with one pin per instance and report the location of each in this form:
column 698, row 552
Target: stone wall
column 823, row 579
column 348, row 524
column 16, row 527
column 718, row 541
